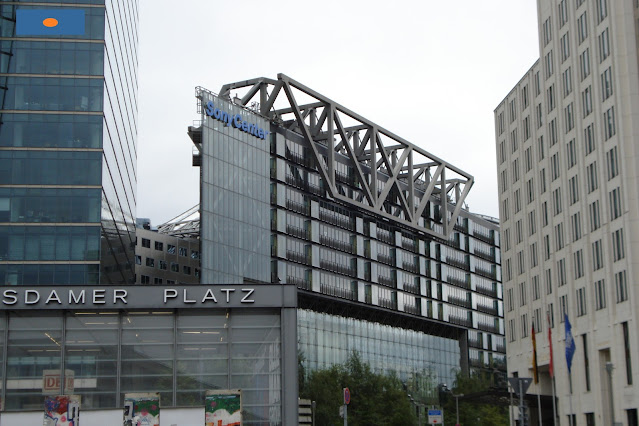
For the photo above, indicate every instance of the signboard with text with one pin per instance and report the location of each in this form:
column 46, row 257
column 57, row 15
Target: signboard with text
column 435, row 417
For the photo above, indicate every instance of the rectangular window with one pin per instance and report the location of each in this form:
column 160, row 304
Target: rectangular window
column 500, row 123
column 175, row 267
column 612, row 163
column 524, row 97
column 586, row 365
column 528, row 161
column 556, row 201
column 513, row 110
column 524, row 325
column 606, row 84
column 569, row 117
column 621, row 286
column 163, row 265
column 540, row 148
column 546, row 247
column 561, row 272
column 604, row 45
column 600, row 294
column 551, row 314
column 548, row 281
column 145, row 279
column 519, row 234
column 506, row 239
column 522, row 294
column 555, row 167
column 542, row 180
column 521, row 265
column 549, row 64
column 615, row 203
column 533, row 255
column 537, row 84
column 565, row 47
column 530, row 187
column 547, row 29
column 535, row 286
column 609, row 123
column 532, row 223
column 509, row 300
column 586, row 101
column 563, row 307
column 571, row 152
column 581, row 302
column 584, row 64
column 513, row 140
column 157, row 280
column 539, row 115
column 550, row 94
column 170, row 249
column 183, row 251
column 544, row 213
column 592, row 180
column 517, row 201
column 626, row 350
column 589, row 138
column 618, row 251
column 515, row 170
column 186, row 270
column 505, row 210
column 602, row 10
column 552, row 128
column 502, row 152
column 526, row 127
column 578, row 267
column 537, row 317
column 573, row 190
column 511, row 330
column 595, row 218
column 575, row 225
column 563, row 13
column 150, row 262
column 146, row 243
column 597, row 255
column 159, row 246
column 582, row 27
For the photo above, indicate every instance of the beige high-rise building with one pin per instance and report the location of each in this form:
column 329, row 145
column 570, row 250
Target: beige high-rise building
column 568, row 166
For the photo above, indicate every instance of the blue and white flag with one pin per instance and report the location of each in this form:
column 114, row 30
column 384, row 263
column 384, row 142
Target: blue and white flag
column 570, row 343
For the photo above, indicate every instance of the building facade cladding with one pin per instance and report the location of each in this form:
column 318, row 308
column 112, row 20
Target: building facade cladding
column 67, row 148
column 565, row 138
column 346, row 257
column 162, row 259
column 179, row 353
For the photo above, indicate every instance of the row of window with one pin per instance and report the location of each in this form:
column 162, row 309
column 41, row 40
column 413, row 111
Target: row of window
column 170, row 248
column 164, row 265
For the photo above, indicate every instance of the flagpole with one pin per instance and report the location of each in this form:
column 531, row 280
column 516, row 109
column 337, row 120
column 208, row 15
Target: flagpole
column 570, row 397
column 551, row 371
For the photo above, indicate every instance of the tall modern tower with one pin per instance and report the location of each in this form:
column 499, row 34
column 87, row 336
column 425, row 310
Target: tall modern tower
column 566, row 139
column 68, row 125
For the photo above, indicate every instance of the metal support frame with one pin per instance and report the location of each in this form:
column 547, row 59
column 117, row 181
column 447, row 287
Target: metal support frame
column 393, row 178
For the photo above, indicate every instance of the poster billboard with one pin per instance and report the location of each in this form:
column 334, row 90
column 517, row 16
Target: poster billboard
column 223, row 408
column 62, row 410
column 142, row 409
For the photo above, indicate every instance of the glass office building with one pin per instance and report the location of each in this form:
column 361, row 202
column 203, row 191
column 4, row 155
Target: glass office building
column 68, row 112
column 414, row 294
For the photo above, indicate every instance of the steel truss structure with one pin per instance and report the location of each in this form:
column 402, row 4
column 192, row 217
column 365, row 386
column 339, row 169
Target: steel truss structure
column 185, row 225
column 391, row 177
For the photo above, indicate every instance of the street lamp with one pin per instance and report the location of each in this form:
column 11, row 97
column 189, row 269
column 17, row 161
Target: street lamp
column 457, row 406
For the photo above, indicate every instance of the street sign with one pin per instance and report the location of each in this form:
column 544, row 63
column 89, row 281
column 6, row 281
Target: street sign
column 525, row 384
column 347, row 396
column 435, row 417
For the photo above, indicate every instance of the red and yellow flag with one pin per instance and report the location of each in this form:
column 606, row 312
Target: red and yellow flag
column 550, row 368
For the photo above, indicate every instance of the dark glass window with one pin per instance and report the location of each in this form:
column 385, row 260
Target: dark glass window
column 51, row 130
column 49, row 205
column 52, row 57
column 50, row 168
column 49, row 243
column 53, row 94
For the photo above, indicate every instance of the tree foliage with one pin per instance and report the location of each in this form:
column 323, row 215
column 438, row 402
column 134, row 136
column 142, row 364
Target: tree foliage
column 471, row 414
column 376, row 399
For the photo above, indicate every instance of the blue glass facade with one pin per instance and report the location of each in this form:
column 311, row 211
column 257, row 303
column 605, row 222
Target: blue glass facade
column 68, row 112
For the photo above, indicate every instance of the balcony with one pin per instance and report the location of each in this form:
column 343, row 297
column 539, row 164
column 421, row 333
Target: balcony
column 488, row 327
column 388, row 260
column 299, row 282
column 460, row 301
column 336, row 244
column 387, row 281
column 465, row 322
column 298, row 257
column 340, row 292
column 491, row 310
column 487, row 291
column 486, row 256
column 458, row 282
column 486, row 273
column 461, row 264
column 413, row 309
column 411, row 288
column 484, row 237
column 337, row 220
column 301, row 208
column 388, row 303
column 296, row 232
column 411, row 267
column 339, row 268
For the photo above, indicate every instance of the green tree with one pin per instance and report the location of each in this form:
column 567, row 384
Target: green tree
column 376, row 399
column 472, row 414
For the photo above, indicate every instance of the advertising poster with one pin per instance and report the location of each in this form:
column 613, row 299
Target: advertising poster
column 62, row 410
column 223, row 408
column 142, row 409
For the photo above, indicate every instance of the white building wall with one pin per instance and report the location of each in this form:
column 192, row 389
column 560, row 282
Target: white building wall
column 602, row 326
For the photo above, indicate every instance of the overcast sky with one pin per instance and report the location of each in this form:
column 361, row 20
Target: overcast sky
column 432, row 72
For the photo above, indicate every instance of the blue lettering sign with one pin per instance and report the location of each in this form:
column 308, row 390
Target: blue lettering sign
column 235, row 120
